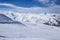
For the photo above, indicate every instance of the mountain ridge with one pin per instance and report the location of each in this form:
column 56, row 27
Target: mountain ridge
column 48, row 19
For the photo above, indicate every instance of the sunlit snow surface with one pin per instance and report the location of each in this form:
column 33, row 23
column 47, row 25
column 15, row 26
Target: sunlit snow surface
column 29, row 32
column 28, row 29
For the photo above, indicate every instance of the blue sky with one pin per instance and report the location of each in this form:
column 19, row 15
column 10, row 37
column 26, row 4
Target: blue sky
column 24, row 3
column 29, row 3
column 51, row 6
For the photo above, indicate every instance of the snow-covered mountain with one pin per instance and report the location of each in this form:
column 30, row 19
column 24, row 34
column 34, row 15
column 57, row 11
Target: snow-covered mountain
column 7, row 20
column 48, row 19
column 4, row 18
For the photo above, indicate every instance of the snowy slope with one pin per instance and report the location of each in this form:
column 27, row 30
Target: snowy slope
column 41, row 32
column 35, row 28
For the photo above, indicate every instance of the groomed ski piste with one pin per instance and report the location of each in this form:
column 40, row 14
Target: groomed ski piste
column 31, row 27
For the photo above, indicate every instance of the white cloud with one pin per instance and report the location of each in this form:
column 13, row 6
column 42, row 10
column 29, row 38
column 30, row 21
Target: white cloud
column 53, row 9
column 43, row 1
column 9, row 5
column 6, row 4
column 47, row 2
column 22, row 9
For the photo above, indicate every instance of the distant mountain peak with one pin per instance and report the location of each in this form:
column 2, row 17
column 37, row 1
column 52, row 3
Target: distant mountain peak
column 6, row 20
